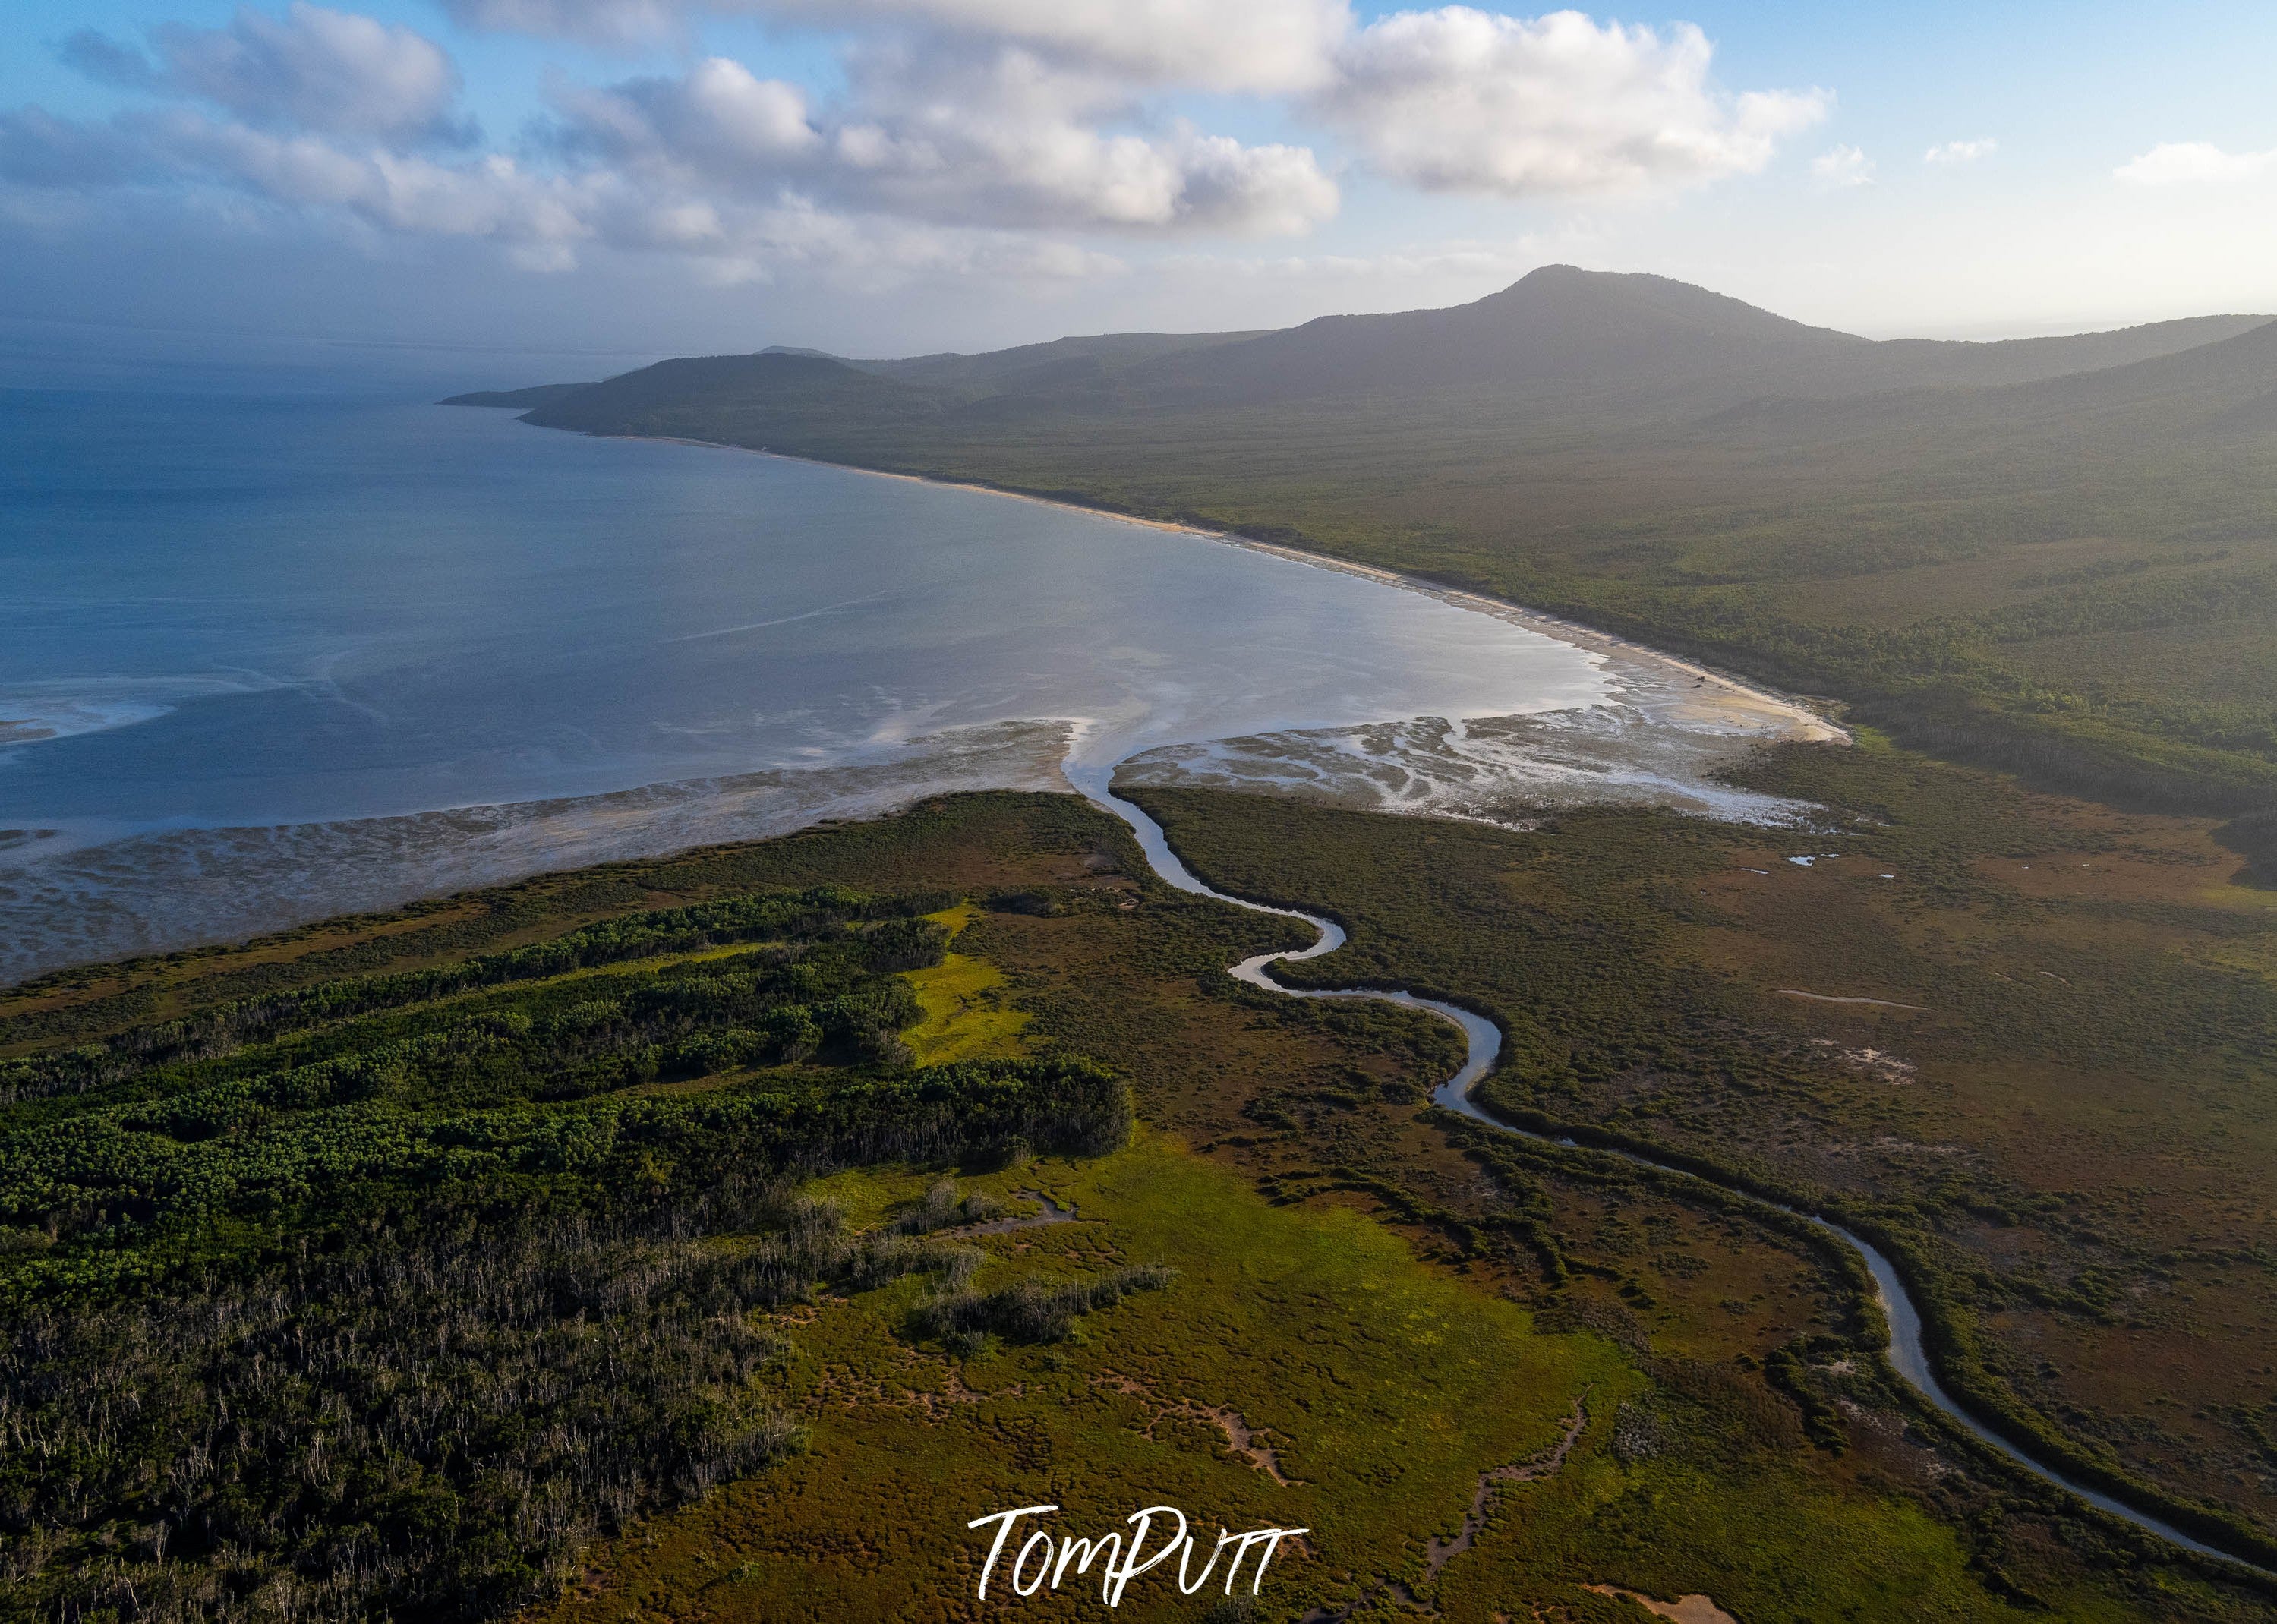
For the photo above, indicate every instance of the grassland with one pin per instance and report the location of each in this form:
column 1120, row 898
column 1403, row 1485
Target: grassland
column 1389, row 1303
column 1381, row 1389
column 964, row 1012
column 2056, row 1111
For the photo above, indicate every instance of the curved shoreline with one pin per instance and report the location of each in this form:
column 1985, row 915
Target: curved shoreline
column 69, row 901
column 1908, row 1351
column 1805, row 725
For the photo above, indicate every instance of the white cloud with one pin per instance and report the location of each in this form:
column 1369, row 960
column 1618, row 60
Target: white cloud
column 1260, row 45
column 1956, row 152
column 1463, row 100
column 606, row 22
column 1006, row 138
column 541, row 221
column 996, row 138
column 1262, row 191
column 312, row 68
column 745, row 113
column 1842, row 166
column 959, row 132
column 2195, row 163
column 490, row 196
column 720, row 114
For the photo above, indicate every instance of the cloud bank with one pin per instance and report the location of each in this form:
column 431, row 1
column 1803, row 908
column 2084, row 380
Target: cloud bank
column 1030, row 138
column 1842, row 167
column 2195, row 164
column 312, row 69
column 1958, row 152
column 1001, row 140
column 1467, row 101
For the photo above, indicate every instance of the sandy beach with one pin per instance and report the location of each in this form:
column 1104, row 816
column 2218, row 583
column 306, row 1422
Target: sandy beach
column 1664, row 685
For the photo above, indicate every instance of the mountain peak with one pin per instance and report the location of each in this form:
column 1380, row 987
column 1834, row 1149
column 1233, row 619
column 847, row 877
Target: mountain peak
column 1641, row 301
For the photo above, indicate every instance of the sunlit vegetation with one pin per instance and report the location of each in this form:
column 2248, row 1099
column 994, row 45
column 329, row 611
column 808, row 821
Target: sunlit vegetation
column 523, row 1248
column 2056, row 1116
column 963, row 1012
column 1368, row 1393
column 387, row 1295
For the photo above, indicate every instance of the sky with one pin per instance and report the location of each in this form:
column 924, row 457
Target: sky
column 636, row 178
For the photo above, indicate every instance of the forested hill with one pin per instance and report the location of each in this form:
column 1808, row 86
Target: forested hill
column 2054, row 554
column 1557, row 333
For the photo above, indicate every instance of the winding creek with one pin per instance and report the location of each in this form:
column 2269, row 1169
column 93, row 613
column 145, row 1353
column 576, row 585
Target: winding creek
column 1908, row 1352
column 253, row 673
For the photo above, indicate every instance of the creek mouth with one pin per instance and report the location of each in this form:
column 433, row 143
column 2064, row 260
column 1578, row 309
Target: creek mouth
column 1908, row 1351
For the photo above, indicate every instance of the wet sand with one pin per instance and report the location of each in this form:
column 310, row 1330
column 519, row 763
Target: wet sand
column 1672, row 688
column 1670, row 729
column 1660, row 736
column 66, row 901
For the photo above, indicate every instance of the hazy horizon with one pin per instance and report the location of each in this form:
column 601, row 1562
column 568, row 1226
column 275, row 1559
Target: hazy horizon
column 52, row 351
column 895, row 177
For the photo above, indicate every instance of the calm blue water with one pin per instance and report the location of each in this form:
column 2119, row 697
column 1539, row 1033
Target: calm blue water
column 259, row 611
column 237, row 601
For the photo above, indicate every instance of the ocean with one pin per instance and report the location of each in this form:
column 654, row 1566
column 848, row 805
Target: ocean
column 278, row 643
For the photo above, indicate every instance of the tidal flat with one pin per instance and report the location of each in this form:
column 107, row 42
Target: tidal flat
column 301, row 682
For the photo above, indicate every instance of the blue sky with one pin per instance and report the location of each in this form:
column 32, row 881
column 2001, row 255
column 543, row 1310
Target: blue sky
column 894, row 175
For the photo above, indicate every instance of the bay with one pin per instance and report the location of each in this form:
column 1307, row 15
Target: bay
column 254, row 641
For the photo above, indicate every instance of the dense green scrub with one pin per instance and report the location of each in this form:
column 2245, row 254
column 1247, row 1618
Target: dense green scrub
column 2055, row 1120
column 224, row 1027
column 509, row 1249
column 384, row 1297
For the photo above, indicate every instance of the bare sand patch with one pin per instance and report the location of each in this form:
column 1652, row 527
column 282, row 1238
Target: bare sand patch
column 1684, row 1609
